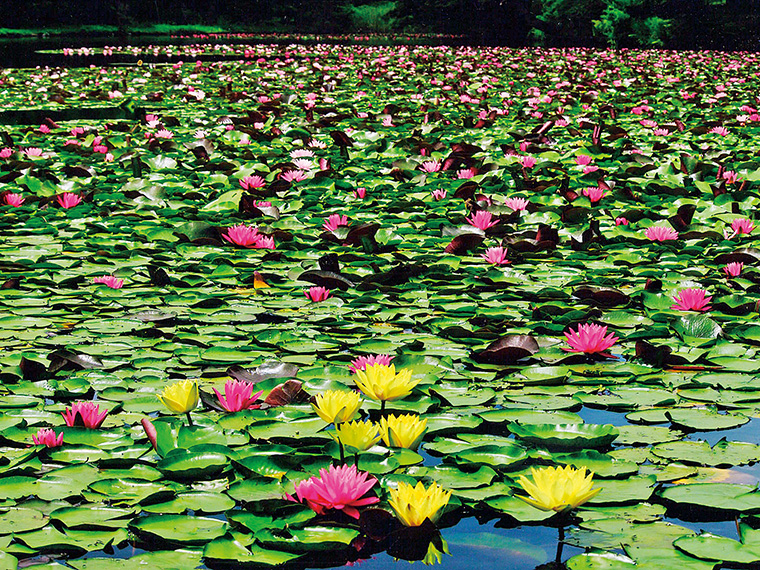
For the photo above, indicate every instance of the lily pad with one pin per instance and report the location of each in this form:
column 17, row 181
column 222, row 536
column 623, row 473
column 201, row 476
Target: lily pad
column 565, row 436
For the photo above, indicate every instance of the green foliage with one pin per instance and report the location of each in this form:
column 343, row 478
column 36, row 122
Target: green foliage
column 632, row 23
column 565, row 22
column 651, row 32
column 373, row 17
column 612, row 25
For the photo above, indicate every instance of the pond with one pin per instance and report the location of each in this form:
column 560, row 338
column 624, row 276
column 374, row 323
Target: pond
column 401, row 285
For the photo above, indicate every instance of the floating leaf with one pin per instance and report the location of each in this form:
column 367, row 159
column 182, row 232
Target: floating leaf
column 565, row 436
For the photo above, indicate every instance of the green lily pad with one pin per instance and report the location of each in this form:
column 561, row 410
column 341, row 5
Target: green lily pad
column 17, row 520
column 709, row 546
column 93, row 516
column 231, row 551
column 565, row 436
column 319, row 538
column 500, row 456
column 456, row 477
column 190, row 531
column 722, row 454
column 721, row 496
column 518, row 509
column 184, row 464
column 600, row 561
column 530, row 416
column 632, row 489
column 704, row 419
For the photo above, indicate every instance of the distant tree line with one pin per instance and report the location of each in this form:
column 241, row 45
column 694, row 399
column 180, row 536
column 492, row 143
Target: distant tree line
column 681, row 24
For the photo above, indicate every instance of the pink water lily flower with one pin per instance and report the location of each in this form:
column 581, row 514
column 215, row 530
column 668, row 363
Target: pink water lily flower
column 730, row 177
column 360, row 193
column 68, row 199
column 303, row 164
column 439, row 194
column 6, row 152
column 659, row 233
column 528, row 161
column 742, row 226
column 264, row 242
column 340, row 488
column 48, row 438
column 238, row 395
column 590, row 339
column 496, row 255
column 242, row 235
column 85, row 414
column 594, row 194
column 482, row 220
column 362, row 362
column 516, row 203
column 583, row 160
column 334, row 221
column 317, row 294
column 251, row 182
column 621, row 221
column 722, row 131
column 13, row 199
column 733, row 269
column 33, row 152
column 109, row 281
column 430, row 166
column 294, row 175
column 466, row 173
column 691, row 300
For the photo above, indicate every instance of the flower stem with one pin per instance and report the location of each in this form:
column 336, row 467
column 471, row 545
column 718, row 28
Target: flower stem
column 560, row 544
column 342, row 453
column 189, row 419
column 382, row 407
column 356, row 460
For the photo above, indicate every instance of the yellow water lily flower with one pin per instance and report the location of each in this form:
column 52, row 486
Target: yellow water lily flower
column 180, row 397
column 359, row 435
column 415, row 504
column 405, row 430
column 337, row 406
column 382, row 383
column 558, row 488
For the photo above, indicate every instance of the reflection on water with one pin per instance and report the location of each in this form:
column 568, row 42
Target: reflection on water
column 475, row 546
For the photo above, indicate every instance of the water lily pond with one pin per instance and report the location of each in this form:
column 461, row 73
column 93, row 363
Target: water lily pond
column 305, row 306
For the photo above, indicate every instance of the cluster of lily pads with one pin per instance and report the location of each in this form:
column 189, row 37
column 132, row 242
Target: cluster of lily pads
column 204, row 263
